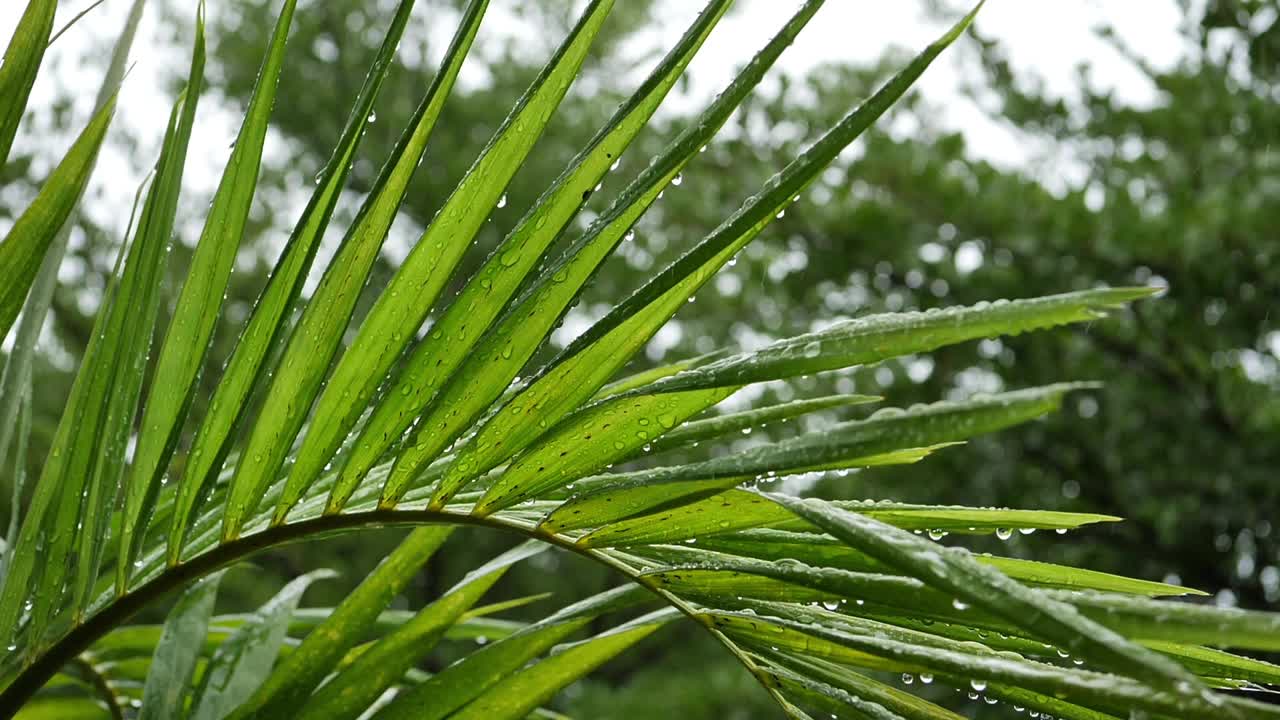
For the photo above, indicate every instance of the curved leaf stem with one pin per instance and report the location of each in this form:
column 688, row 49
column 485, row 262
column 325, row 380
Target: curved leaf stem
column 69, row 647
column 99, row 682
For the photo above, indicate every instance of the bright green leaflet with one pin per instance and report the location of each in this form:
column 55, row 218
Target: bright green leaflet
column 1178, row 622
column 954, row 571
column 34, row 230
column 18, row 73
column 649, row 375
column 470, row 314
column 299, row 674
column 459, row 683
column 845, row 678
column 509, row 345
column 518, row 694
column 316, row 337
column 403, row 305
column 692, row 433
column 914, row 651
column 591, row 439
column 878, row 337
column 792, row 583
column 589, row 362
column 199, row 302
column 81, row 479
column 349, row 692
column 174, row 662
column 266, row 328
column 848, row 444
column 132, row 317
column 905, row 704
column 15, row 380
column 464, row 680
column 1209, row 662
column 826, row 551
column 139, row 641
column 21, row 254
column 602, row 501
column 739, row 509
column 718, row 580
column 831, row 699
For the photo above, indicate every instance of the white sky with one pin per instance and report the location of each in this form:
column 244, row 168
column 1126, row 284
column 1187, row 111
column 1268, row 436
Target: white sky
column 1045, row 38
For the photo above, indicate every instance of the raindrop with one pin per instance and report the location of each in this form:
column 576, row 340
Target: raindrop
column 978, row 685
column 780, row 214
column 1004, row 533
column 679, row 178
column 937, row 534
column 373, row 116
column 907, row 679
column 960, row 605
column 502, row 201
column 926, row 678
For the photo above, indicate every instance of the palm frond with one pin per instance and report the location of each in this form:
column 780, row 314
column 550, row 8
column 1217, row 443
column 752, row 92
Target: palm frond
column 422, row 420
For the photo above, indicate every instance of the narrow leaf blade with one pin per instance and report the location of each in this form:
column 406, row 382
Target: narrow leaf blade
column 174, row 662
column 318, row 334
column 196, row 313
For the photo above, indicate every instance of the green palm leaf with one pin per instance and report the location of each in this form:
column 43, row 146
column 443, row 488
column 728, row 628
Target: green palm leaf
column 310, row 433
column 18, row 72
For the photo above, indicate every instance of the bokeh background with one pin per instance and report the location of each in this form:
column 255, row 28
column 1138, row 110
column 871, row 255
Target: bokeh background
column 1060, row 146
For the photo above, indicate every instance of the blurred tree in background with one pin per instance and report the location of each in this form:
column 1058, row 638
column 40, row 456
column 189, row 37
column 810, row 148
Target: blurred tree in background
column 1184, row 193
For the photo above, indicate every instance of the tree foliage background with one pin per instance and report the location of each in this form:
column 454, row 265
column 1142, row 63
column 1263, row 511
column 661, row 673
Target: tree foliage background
column 1184, row 193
